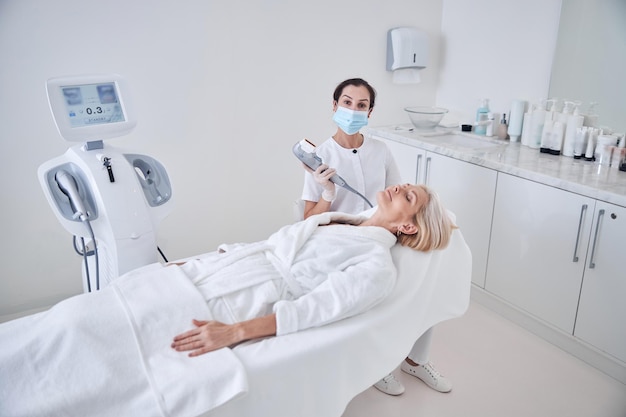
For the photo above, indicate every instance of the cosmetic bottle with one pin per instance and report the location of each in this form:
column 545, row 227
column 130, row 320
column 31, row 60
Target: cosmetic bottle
column 603, row 149
column 556, row 141
column 621, row 154
column 481, row 117
column 491, row 125
column 546, row 133
column 526, row 126
column 503, row 128
column 591, row 143
column 574, row 121
column 580, row 142
column 516, row 119
column 537, row 121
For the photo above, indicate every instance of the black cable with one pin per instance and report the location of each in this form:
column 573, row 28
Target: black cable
column 162, row 255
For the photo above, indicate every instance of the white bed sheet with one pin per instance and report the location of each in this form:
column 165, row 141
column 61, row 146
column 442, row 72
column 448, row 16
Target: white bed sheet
column 318, row 371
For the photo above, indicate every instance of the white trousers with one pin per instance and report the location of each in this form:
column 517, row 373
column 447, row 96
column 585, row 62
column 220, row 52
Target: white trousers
column 420, row 352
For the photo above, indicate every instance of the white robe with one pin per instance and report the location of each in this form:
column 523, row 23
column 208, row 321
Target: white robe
column 327, row 273
column 108, row 353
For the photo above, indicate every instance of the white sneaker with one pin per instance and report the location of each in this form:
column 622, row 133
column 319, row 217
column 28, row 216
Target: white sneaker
column 429, row 375
column 390, row 385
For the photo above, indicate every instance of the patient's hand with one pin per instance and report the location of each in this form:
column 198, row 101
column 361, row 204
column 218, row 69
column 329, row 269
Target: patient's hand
column 213, row 335
column 206, row 337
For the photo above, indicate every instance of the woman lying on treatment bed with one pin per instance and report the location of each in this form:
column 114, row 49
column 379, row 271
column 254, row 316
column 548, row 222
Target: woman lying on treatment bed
column 412, row 213
column 106, row 352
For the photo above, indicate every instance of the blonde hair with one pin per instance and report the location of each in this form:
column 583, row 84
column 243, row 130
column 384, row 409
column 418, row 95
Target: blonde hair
column 434, row 226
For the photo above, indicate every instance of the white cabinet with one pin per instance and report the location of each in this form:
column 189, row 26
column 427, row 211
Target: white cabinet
column 407, row 158
column 552, row 254
column 537, row 251
column 469, row 191
column 465, row 189
column 602, row 309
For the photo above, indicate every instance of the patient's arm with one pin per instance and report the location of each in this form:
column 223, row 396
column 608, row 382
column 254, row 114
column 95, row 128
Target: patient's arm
column 213, row 335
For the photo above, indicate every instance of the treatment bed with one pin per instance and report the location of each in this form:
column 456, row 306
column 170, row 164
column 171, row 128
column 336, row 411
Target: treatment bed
column 315, row 372
column 318, row 371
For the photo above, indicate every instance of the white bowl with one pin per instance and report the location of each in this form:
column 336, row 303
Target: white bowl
column 425, row 117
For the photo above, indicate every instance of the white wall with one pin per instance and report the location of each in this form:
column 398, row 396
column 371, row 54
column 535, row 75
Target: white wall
column 501, row 50
column 222, row 91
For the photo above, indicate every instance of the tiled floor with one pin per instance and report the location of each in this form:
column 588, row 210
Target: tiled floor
column 498, row 369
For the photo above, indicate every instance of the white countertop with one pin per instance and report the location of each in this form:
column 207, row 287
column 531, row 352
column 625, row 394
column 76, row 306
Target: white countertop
column 575, row 175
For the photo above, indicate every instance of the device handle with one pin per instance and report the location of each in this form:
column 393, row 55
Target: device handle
column 67, row 184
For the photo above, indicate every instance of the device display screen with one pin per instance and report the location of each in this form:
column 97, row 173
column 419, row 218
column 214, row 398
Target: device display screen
column 92, row 104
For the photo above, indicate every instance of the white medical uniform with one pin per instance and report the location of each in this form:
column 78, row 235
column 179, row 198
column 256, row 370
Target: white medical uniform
column 368, row 169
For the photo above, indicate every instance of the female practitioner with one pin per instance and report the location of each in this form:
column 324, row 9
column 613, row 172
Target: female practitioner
column 368, row 166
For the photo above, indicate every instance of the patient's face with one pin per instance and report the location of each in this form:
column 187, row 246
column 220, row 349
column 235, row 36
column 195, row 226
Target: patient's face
column 401, row 202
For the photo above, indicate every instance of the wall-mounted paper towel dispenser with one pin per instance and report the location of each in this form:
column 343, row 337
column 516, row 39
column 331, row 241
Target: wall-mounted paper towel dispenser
column 407, row 53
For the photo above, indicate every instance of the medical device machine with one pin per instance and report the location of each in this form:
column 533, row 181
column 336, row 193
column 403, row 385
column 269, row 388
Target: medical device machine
column 110, row 200
column 305, row 152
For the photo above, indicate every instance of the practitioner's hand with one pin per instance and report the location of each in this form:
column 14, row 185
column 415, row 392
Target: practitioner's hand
column 322, row 176
column 206, row 337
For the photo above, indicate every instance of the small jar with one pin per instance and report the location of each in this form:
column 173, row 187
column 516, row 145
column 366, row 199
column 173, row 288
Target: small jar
column 604, row 149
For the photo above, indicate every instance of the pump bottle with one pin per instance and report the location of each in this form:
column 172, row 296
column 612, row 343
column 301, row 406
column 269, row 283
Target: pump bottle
column 574, row 121
column 538, row 119
column 503, row 128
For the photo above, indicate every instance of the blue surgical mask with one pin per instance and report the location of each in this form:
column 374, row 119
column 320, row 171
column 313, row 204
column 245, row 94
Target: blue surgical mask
column 350, row 121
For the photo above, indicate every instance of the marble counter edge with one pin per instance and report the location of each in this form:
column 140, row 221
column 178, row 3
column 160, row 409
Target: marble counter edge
column 581, row 177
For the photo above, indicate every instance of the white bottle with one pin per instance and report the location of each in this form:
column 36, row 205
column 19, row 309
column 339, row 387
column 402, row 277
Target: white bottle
column 490, row 125
column 580, row 143
column 591, row 144
column 516, row 119
column 546, row 133
column 528, row 117
column 604, row 149
column 557, row 138
column 536, row 125
column 574, row 121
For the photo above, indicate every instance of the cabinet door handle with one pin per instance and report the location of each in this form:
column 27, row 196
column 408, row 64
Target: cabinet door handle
column 417, row 174
column 592, row 264
column 427, row 170
column 583, row 209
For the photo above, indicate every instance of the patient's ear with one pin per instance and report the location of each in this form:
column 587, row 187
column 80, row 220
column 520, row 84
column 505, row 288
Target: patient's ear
column 408, row 228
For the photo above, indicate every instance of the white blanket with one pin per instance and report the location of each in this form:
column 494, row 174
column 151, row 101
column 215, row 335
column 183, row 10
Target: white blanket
column 109, row 354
